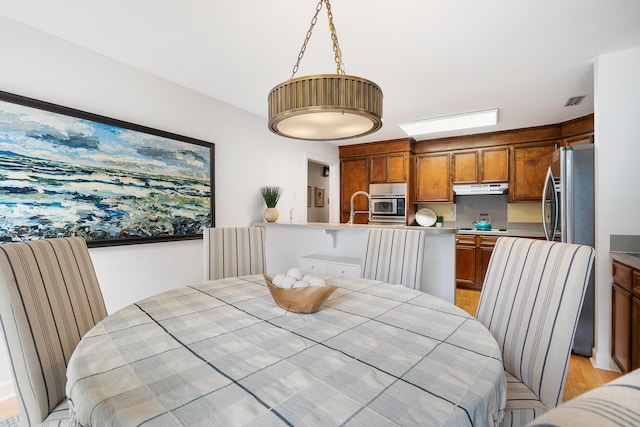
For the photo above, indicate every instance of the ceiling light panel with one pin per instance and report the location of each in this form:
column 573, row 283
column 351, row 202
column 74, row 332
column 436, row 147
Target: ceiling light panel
column 448, row 123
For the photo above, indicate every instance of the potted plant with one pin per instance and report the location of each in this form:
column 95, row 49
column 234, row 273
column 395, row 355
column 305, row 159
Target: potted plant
column 271, row 194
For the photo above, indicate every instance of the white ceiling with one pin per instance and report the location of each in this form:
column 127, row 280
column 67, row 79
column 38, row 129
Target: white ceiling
column 431, row 58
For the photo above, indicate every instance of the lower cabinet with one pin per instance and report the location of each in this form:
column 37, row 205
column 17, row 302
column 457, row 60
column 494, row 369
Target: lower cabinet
column 625, row 320
column 331, row 265
column 473, row 253
column 466, row 261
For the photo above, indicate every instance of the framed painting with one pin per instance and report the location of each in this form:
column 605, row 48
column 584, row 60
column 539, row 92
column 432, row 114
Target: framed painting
column 319, row 197
column 66, row 172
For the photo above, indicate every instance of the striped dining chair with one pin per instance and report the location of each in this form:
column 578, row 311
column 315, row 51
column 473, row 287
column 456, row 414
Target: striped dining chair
column 531, row 301
column 394, row 255
column 233, row 251
column 614, row 404
column 49, row 298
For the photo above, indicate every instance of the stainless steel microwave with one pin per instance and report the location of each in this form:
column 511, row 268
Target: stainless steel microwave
column 387, row 208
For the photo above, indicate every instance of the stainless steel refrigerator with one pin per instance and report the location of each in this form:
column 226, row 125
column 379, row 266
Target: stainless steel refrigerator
column 568, row 213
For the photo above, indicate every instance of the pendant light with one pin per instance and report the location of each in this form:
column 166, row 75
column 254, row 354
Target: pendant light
column 323, row 107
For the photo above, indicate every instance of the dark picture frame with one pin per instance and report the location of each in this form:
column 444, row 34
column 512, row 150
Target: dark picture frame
column 319, row 199
column 66, row 172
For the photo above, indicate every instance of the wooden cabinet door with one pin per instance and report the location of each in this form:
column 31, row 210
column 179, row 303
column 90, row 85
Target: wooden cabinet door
column 485, row 249
column 621, row 324
column 353, row 178
column 635, row 333
column 466, row 261
column 433, row 178
column 391, row 168
column 465, row 167
column 529, row 170
column 397, row 168
column 378, row 169
column 494, row 166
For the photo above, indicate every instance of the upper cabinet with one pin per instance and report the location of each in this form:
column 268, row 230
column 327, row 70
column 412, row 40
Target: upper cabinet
column 483, row 166
column 370, row 163
column 389, row 168
column 433, row 178
column 529, row 170
column 494, row 165
column 578, row 131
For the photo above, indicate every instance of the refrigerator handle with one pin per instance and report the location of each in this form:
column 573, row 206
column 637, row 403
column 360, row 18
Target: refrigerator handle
column 550, row 234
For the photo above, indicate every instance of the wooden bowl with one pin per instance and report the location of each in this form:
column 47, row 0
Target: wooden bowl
column 299, row 300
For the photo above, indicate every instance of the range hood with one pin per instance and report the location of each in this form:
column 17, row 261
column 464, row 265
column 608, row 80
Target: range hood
column 480, row 189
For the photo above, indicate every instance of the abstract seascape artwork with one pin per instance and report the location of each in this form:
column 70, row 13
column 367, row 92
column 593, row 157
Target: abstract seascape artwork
column 65, row 172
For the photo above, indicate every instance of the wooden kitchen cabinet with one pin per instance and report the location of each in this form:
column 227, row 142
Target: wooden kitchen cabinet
column 473, row 253
column 433, row 178
column 635, row 335
column 485, row 166
column 494, row 165
column 390, row 168
column 529, row 165
column 466, row 261
column 621, row 311
column 354, row 178
column 465, row 167
column 371, row 163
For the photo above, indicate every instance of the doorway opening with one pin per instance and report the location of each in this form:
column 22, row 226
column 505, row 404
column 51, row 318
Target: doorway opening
column 318, row 192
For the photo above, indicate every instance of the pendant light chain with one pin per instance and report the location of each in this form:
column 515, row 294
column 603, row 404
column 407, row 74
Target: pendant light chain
column 334, row 38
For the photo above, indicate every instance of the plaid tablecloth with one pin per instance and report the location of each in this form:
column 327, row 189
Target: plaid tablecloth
column 224, row 354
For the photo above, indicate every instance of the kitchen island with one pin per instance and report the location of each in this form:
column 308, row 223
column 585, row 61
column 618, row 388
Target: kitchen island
column 287, row 243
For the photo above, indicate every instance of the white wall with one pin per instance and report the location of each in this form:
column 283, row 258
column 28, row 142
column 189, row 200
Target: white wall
column 617, row 139
column 247, row 155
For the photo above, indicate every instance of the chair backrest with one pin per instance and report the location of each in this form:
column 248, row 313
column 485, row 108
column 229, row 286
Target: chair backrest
column 615, row 404
column 394, row 255
column 233, row 251
column 49, row 298
column 531, row 301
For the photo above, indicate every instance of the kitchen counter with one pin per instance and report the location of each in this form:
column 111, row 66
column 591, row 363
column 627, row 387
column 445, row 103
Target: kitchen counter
column 626, row 258
column 625, row 249
column 341, row 226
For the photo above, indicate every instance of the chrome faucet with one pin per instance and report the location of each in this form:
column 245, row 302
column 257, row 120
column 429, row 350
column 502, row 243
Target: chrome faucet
column 353, row 213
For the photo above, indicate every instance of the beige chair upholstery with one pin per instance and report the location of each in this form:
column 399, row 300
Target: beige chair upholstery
column 49, row 298
column 615, row 404
column 233, row 251
column 531, row 301
column 394, row 255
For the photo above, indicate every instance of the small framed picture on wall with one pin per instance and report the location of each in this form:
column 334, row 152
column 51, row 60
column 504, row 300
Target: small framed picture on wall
column 319, row 197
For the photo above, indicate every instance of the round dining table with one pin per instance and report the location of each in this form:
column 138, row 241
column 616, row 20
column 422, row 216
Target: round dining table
column 222, row 353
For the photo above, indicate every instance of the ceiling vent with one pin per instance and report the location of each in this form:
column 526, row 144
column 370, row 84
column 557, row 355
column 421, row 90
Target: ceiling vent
column 575, row 100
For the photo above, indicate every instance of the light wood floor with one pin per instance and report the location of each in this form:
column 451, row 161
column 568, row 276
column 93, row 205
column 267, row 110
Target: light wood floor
column 580, row 378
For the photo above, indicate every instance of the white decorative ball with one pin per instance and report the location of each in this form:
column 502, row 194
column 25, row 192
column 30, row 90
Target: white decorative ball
column 287, row 282
column 300, row 284
column 316, row 281
column 295, row 272
column 277, row 279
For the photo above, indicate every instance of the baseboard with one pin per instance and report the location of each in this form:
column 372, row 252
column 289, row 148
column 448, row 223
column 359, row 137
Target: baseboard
column 603, row 361
column 6, row 390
